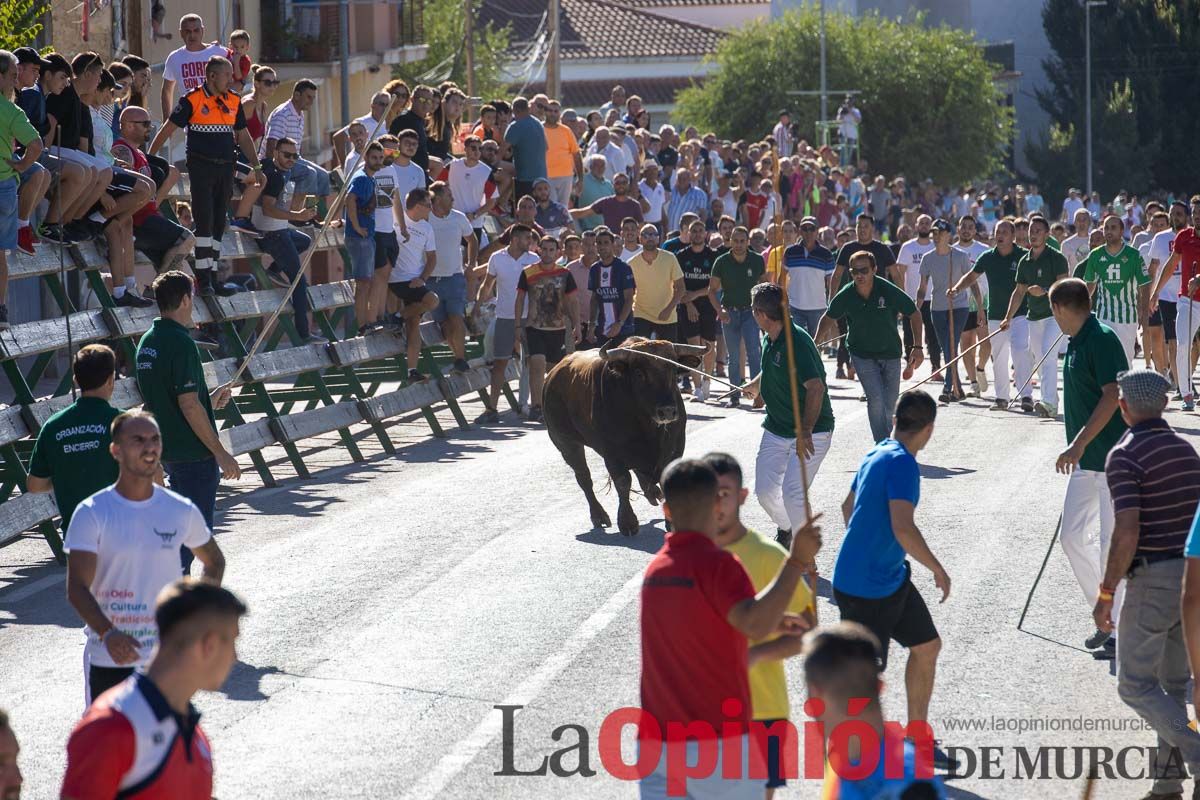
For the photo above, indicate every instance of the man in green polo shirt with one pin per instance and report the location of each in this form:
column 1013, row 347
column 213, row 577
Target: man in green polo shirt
column 71, row 453
column 999, row 266
column 1041, row 267
column 171, row 379
column 1120, row 284
column 733, row 275
column 870, row 304
column 1095, row 357
column 777, row 472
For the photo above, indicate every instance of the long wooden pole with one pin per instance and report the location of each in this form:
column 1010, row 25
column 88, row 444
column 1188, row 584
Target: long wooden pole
column 959, row 356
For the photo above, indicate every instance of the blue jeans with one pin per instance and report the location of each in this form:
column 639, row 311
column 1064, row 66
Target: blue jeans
column 197, row 481
column 808, row 319
column 285, row 247
column 8, row 214
column 880, row 379
column 310, row 178
column 742, row 329
column 948, row 341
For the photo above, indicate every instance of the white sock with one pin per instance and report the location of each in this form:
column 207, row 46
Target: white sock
column 22, row 223
column 118, row 291
column 97, row 217
column 131, row 284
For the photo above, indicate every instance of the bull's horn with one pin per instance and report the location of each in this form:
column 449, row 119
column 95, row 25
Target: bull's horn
column 691, row 349
column 605, row 355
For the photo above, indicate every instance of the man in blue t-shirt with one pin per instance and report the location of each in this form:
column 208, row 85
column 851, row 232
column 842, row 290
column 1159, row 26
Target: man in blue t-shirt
column 610, row 280
column 528, row 140
column 872, row 578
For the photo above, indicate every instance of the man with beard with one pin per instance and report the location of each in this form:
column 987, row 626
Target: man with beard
column 1119, row 283
column 616, row 207
column 697, row 317
column 610, row 280
column 976, row 325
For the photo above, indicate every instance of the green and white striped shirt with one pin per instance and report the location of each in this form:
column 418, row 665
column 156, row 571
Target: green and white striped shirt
column 1118, row 278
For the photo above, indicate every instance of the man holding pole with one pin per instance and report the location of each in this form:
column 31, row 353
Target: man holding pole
column 941, row 269
column 1095, row 357
column 1041, row 267
column 781, row 481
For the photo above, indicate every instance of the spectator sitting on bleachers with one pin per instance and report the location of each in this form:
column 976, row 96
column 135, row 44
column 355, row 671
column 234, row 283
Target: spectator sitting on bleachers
column 14, row 127
column 35, row 181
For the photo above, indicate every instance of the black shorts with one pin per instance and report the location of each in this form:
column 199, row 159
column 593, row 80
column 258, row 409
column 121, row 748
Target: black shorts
column 661, row 330
column 550, row 344
column 156, row 235
column 705, row 327
column 972, row 321
column 101, row 679
column 777, row 745
column 123, row 182
column 902, row 616
column 1166, row 311
column 386, row 250
column 409, row 293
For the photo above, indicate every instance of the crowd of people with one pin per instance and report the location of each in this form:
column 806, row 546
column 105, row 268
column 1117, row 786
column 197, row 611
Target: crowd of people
column 567, row 229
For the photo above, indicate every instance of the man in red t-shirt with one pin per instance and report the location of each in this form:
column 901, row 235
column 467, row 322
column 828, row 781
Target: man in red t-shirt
column 698, row 610
column 1185, row 253
column 141, row 740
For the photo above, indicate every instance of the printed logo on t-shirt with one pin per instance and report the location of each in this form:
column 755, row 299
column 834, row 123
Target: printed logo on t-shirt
column 166, row 536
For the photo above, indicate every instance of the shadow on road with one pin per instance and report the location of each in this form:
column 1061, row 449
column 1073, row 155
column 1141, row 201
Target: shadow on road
column 46, row 607
column 954, row 793
column 244, row 681
column 936, row 473
column 649, row 537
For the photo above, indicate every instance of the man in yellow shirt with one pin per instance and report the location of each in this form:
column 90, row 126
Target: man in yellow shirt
column 762, row 557
column 658, row 288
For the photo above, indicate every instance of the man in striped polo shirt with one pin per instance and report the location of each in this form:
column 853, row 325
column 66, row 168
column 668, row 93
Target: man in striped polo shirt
column 1154, row 478
column 1120, row 284
column 809, row 266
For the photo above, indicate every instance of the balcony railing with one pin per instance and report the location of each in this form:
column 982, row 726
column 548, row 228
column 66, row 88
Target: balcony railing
column 310, row 29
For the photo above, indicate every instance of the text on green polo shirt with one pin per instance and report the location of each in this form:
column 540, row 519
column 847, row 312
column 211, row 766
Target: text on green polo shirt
column 777, row 389
column 872, row 319
column 72, row 451
column 1094, row 357
column 168, row 365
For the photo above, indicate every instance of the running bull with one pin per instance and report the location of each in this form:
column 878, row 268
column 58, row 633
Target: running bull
column 625, row 406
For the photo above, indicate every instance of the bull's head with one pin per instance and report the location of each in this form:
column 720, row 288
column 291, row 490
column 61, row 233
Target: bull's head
column 652, row 383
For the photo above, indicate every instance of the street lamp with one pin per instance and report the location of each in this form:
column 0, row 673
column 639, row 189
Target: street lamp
column 1087, row 59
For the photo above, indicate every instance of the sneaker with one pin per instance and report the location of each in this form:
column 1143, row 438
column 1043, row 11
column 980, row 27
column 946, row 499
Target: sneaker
column 535, row 414
column 415, row 376
column 1027, row 404
column 1046, row 410
column 245, row 227
column 313, row 338
column 841, row 374
column 1189, row 404
column 54, row 233
column 279, row 278
column 25, row 241
column 3, row 317
column 701, row 393
column 944, row 397
column 308, row 223
column 460, row 365
column 981, row 380
column 734, row 402
column 784, row 538
column 1000, row 405
column 976, row 390
column 77, row 231
column 1108, row 651
column 489, row 417
column 1096, row 640
column 132, row 300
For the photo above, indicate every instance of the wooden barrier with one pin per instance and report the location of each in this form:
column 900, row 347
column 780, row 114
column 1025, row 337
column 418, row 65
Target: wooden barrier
column 327, row 379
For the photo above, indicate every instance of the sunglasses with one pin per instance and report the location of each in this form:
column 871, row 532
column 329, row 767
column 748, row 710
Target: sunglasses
column 288, row 156
column 860, row 270
column 807, row 228
column 144, row 122
column 268, row 82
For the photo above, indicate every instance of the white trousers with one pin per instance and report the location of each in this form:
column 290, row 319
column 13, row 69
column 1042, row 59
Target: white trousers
column 560, row 190
column 777, row 481
column 1042, row 335
column 1087, row 526
column 1187, row 322
column 1127, row 333
column 1014, row 342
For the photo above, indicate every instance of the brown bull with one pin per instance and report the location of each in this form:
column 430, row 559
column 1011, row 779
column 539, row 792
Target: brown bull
column 627, row 408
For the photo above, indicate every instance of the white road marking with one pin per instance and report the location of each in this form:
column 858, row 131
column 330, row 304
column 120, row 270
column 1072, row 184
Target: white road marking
column 25, row 592
column 464, row 752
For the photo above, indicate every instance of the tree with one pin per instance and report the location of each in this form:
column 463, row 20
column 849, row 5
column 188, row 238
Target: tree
column 445, row 33
column 20, row 23
column 930, row 105
column 1144, row 96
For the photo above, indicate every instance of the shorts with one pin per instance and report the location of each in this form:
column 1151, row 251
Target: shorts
column 101, row 679
column 504, row 339
column 156, row 235
column 78, row 157
column 972, row 321
column 34, row 169
column 52, row 163
column 452, row 296
column 123, row 181
column 362, row 256
column 902, row 616
column 386, row 249
column 667, row 331
column 550, row 344
column 706, row 327
column 409, row 293
column 8, row 214
column 1166, row 310
column 776, row 746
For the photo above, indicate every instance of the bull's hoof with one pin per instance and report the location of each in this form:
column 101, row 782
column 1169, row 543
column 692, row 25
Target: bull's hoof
column 653, row 495
column 627, row 522
column 600, row 518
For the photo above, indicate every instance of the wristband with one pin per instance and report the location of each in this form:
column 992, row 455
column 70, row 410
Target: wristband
column 104, row 635
column 1106, row 594
column 800, row 565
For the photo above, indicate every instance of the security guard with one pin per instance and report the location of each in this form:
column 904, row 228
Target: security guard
column 215, row 124
column 71, row 453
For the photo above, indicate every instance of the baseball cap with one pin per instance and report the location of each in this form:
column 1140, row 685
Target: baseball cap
column 1143, row 386
column 536, row 181
column 27, row 55
column 809, row 221
column 942, row 225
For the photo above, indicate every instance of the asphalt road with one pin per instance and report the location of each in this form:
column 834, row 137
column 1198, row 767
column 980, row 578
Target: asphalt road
column 395, row 603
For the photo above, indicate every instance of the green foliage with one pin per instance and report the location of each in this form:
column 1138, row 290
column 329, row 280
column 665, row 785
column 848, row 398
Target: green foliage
column 20, row 22
column 445, row 33
column 1144, row 96
column 930, row 106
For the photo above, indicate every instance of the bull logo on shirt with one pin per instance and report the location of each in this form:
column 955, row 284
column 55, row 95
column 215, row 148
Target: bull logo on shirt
column 166, row 536
column 882, row 302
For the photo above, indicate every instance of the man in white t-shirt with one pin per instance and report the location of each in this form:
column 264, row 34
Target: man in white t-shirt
column 908, row 263
column 123, row 549
column 184, row 68
column 471, row 184
column 1077, row 246
column 977, row 324
column 783, row 135
column 451, row 231
column 503, row 274
column 1072, row 204
column 654, row 193
column 1161, row 247
column 416, row 258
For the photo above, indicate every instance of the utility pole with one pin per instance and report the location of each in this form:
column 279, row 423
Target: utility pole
column 469, row 16
column 824, row 86
column 344, row 46
column 1087, row 91
column 553, row 63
